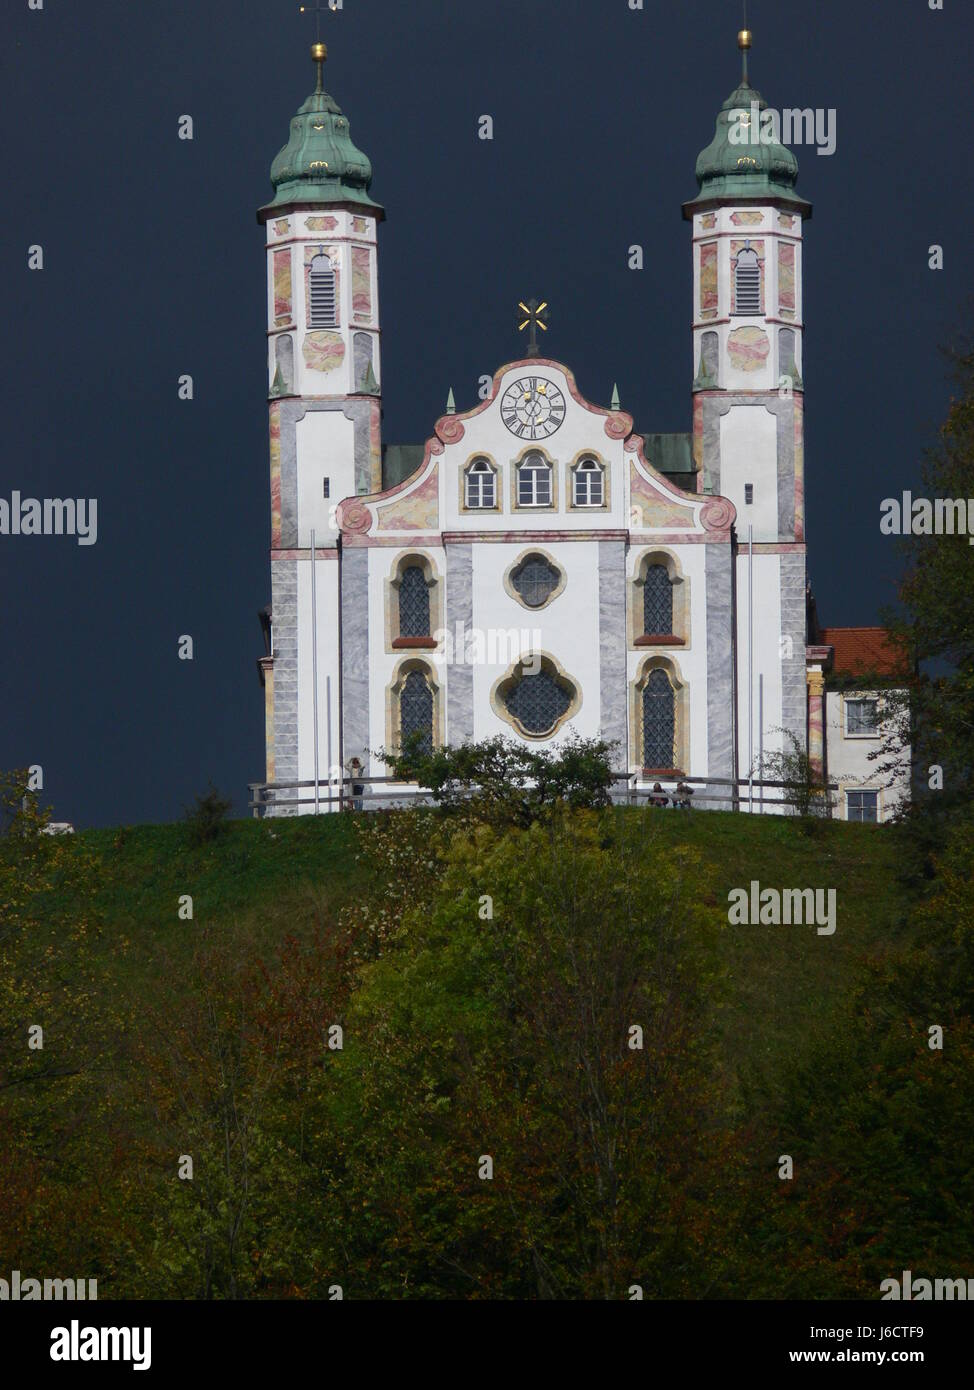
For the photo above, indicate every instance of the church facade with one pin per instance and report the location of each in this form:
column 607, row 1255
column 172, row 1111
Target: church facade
column 538, row 568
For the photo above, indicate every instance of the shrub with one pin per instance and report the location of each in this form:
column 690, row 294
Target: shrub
column 208, row 817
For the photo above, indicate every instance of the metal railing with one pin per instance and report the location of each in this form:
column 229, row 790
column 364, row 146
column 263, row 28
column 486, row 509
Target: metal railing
column 354, row 794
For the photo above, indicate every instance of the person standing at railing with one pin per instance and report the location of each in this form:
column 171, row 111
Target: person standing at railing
column 358, row 788
column 682, row 798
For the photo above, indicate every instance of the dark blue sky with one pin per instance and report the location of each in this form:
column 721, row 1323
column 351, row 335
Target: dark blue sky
column 155, row 267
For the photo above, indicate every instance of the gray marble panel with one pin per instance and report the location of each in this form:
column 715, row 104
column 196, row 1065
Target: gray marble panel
column 794, row 695
column 613, row 685
column 718, row 561
column 459, row 675
column 284, row 610
column 354, row 600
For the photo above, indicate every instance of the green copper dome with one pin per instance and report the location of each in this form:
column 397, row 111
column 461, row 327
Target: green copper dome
column 731, row 170
column 319, row 163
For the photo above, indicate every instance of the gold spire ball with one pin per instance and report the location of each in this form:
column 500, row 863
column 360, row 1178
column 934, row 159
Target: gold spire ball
column 744, row 39
column 319, row 53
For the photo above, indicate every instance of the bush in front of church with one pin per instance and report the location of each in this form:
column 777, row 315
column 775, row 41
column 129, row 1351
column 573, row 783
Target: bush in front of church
column 508, row 783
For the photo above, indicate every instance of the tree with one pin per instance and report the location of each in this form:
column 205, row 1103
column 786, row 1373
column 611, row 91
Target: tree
column 550, row 1010
column 57, row 1035
column 208, row 817
column 934, row 619
column 801, row 781
column 508, row 782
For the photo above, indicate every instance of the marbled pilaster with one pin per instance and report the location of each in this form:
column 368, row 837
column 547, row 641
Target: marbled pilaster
column 718, row 563
column 354, row 601
column 284, row 625
column 613, row 692
column 459, row 616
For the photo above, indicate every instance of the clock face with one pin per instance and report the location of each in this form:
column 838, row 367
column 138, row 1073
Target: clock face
column 533, row 408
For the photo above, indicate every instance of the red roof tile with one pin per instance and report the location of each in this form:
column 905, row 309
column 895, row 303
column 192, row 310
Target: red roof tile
column 862, row 651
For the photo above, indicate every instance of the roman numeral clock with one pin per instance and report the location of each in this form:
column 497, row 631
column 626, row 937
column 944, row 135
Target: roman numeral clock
column 533, row 408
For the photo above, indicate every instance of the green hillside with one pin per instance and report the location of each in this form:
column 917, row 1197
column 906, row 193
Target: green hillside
column 266, row 879
column 467, row 1031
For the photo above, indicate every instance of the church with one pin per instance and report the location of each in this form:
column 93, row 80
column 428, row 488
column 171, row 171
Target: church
column 538, row 568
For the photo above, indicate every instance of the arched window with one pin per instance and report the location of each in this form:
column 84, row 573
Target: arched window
column 414, row 603
column 588, row 488
column 747, row 282
column 657, row 601
column 659, row 721
column 480, row 484
column 323, row 308
column 416, row 711
column 534, row 481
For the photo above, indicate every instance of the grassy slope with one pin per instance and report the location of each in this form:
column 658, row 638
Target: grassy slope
column 265, row 879
column 784, row 982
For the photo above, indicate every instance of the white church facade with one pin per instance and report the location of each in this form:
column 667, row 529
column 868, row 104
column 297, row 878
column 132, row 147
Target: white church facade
column 538, row 568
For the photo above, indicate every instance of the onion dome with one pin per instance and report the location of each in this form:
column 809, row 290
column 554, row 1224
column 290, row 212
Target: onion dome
column 319, row 163
column 745, row 161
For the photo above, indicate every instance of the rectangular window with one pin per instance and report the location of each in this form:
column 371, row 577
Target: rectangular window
column 480, row 488
column 534, row 487
column 862, row 806
column 748, row 493
column 326, row 487
column 862, row 717
column 588, row 486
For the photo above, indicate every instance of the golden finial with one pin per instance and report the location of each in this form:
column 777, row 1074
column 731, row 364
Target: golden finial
column 744, row 39
column 318, row 50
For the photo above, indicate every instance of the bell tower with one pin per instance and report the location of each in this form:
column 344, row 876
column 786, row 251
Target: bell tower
column 748, row 391
column 323, row 384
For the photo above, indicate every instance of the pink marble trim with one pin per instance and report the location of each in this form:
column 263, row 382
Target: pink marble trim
column 320, row 554
column 672, row 538
column 772, row 547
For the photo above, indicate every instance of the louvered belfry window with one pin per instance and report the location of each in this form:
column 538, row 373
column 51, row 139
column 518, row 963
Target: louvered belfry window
column 658, row 721
column 535, row 580
column 747, row 283
column 416, row 711
column 537, row 702
column 324, row 308
column 657, row 602
column 414, row 603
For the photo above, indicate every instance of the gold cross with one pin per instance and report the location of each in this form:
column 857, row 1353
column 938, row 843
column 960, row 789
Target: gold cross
column 533, row 311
